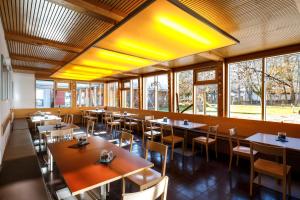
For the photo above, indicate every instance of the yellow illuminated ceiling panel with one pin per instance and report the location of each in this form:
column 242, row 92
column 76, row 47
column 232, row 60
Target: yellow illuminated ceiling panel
column 165, row 30
column 158, row 31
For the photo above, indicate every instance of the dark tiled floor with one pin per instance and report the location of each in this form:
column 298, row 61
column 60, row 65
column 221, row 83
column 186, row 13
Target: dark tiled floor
column 192, row 178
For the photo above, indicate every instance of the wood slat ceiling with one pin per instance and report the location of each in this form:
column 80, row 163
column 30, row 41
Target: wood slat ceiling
column 59, row 30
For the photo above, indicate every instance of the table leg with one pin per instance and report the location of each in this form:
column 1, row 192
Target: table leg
column 185, row 139
column 50, row 161
column 103, row 192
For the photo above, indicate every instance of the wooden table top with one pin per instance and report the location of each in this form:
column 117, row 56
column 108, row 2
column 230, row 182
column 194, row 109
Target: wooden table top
column 179, row 123
column 99, row 111
column 48, row 128
column 44, row 118
column 124, row 115
column 80, row 170
column 264, row 138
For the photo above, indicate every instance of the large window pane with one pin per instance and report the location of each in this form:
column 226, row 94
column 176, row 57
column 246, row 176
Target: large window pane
column 149, row 93
column 206, row 99
column 126, row 98
column 44, row 94
column 245, row 89
column 62, row 99
column 113, row 97
column 97, row 94
column 162, row 93
column 135, row 93
column 184, row 89
column 283, row 88
column 82, row 94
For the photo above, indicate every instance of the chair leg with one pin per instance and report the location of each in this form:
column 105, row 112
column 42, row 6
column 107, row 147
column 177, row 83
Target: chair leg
column 284, row 189
column 259, row 179
column 123, row 186
column 172, row 155
column 206, row 147
column 251, row 182
column 237, row 160
column 193, row 147
column 230, row 162
column 289, row 182
column 216, row 150
column 182, row 148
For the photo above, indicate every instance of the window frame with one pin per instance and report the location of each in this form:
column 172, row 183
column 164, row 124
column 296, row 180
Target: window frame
column 117, row 93
column 263, row 55
column 53, row 90
column 130, row 88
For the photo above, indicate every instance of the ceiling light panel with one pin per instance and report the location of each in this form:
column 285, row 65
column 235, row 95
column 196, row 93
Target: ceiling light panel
column 165, row 30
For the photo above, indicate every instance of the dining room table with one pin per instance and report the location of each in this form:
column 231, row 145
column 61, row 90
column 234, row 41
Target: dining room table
column 181, row 124
column 81, row 169
column 272, row 139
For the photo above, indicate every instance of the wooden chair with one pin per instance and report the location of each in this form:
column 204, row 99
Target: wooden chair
column 126, row 137
column 206, row 141
column 158, row 190
column 238, row 150
column 65, row 118
column 152, row 127
column 149, row 177
column 52, row 122
column 70, row 119
column 130, row 123
column 277, row 170
column 113, row 124
column 171, row 139
column 88, row 116
column 107, row 116
column 149, row 131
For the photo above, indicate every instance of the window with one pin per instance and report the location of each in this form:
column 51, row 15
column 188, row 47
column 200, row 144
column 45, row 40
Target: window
column 206, row 99
column 130, row 94
column 156, row 95
column 205, row 75
column 184, row 91
column 44, row 94
column 63, row 97
column 62, row 85
column 97, row 94
column 282, row 88
column 82, row 90
column 245, row 89
column 113, row 97
column 4, row 79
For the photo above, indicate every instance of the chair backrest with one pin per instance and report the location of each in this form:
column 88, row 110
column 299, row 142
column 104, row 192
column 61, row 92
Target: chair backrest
column 65, row 118
column 125, row 136
column 52, row 122
column 61, row 134
column 213, row 130
column 160, row 189
column 233, row 135
column 166, row 129
column 263, row 149
column 159, row 148
column 90, row 127
column 70, row 119
column 149, row 117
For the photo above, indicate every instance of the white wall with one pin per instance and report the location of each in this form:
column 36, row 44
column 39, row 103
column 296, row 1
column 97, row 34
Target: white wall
column 24, row 90
column 4, row 105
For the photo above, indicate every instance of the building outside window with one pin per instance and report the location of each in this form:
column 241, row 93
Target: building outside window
column 97, row 94
column 113, row 97
column 82, row 94
column 44, row 94
column 63, row 95
column 156, row 96
column 130, row 94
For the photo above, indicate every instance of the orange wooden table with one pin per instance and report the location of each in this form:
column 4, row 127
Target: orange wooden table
column 80, row 169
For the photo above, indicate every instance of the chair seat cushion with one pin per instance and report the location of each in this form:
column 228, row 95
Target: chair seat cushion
column 203, row 140
column 270, row 168
column 243, row 150
column 147, row 176
column 175, row 139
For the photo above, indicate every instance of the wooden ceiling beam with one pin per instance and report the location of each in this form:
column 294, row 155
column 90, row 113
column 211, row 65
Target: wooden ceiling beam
column 18, row 68
column 41, row 41
column 97, row 10
column 211, row 56
column 36, row 59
